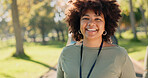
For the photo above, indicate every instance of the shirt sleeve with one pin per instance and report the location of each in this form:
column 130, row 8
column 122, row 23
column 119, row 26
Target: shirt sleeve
column 127, row 69
column 60, row 73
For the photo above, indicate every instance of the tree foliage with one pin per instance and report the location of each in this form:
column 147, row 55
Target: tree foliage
column 42, row 19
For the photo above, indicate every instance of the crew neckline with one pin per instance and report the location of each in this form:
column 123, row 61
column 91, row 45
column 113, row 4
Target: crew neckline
column 96, row 48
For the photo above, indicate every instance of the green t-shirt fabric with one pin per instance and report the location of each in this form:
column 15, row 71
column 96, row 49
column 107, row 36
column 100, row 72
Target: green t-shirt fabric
column 112, row 62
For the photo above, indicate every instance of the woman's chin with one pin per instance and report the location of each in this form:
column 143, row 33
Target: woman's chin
column 91, row 37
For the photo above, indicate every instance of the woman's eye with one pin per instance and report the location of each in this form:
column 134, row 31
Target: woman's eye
column 85, row 18
column 98, row 19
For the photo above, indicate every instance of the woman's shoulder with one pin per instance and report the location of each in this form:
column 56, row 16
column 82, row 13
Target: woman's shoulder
column 71, row 48
column 120, row 51
column 115, row 49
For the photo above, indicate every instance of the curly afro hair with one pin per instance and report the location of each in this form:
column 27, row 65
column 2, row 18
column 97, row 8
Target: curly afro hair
column 77, row 9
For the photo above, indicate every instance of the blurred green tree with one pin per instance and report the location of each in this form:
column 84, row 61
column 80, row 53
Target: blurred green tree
column 143, row 11
column 42, row 18
column 33, row 25
column 3, row 28
column 132, row 14
column 60, row 27
column 59, row 9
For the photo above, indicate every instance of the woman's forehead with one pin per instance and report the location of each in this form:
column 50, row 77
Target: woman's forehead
column 90, row 11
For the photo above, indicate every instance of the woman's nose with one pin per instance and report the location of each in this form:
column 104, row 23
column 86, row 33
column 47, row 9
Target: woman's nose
column 91, row 23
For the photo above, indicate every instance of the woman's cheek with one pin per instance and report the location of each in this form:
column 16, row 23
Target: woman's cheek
column 81, row 27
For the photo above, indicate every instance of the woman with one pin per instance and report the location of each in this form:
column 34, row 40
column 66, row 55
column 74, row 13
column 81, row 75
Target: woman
column 93, row 22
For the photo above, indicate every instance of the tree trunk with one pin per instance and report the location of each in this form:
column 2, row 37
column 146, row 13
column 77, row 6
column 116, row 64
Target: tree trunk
column 53, row 38
column 63, row 36
column 43, row 37
column 144, row 20
column 34, row 35
column 17, row 29
column 34, row 38
column 132, row 18
column 58, row 35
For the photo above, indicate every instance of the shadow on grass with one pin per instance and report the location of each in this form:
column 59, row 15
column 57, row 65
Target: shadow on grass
column 25, row 57
column 6, row 75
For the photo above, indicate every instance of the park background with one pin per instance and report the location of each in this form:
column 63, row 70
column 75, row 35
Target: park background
column 33, row 33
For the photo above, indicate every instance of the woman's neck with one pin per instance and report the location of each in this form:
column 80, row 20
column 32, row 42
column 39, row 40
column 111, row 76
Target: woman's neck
column 92, row 43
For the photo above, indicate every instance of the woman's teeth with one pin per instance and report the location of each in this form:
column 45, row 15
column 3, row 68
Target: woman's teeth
column 91, row 29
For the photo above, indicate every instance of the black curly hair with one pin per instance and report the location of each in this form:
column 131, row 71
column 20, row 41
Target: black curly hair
column 110, row 10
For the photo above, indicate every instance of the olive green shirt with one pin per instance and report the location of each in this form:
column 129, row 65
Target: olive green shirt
column 113, row 62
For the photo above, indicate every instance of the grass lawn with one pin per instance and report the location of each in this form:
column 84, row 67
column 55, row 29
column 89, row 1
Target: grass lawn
column 42, row 57
column 135, row 49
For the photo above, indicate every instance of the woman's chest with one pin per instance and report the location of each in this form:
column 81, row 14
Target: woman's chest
column 105, row 67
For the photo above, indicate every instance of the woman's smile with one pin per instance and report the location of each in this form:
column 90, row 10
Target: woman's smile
column 91, row 31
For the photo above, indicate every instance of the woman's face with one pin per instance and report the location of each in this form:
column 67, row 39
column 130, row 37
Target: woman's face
column 92, row 26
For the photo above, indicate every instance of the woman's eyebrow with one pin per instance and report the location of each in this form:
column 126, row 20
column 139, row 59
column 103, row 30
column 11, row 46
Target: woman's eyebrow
column 98, row 16
column 85, row 15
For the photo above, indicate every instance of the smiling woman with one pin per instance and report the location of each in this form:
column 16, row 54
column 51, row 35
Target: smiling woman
column 93, row 22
